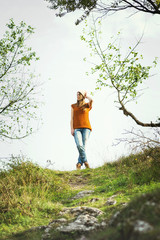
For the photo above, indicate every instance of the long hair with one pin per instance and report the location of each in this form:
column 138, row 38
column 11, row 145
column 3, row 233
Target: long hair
column 80, row 102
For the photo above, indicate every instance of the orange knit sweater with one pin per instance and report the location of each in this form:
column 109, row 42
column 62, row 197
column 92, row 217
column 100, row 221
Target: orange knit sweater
column 81, row 116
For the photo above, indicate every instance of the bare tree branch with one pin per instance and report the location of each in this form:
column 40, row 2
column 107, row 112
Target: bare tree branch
column 127, row 113
column 137, row 139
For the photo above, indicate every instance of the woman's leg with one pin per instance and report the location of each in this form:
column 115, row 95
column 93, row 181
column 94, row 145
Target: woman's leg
column 85, row 135
column 79, row 137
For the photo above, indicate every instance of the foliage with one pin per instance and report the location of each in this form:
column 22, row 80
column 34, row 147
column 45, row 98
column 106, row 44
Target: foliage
column 124, row 74
column 28, row 191
column 71, row 6
column 103, row 7
column 66, row 6
column 18, row 86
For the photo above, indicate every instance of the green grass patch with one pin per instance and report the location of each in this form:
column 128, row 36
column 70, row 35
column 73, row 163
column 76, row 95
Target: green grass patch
column 33, row 196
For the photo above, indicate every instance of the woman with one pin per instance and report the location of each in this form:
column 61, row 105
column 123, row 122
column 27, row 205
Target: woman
column 80, row 125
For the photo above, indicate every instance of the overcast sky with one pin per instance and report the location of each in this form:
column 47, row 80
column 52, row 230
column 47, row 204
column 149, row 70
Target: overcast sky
column 63, row 71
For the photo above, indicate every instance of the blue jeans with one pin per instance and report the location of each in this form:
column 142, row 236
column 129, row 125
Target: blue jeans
column 81, row 136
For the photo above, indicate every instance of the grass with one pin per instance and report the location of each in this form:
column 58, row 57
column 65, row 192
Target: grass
column 143, row 208
column 32, row 196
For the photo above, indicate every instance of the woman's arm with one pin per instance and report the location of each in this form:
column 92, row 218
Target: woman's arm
column 90, row 100
column 72, row 129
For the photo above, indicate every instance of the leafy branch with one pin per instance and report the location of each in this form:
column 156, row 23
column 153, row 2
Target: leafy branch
column 123, row 74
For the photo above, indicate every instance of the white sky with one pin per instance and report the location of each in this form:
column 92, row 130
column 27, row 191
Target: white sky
column 57, row 43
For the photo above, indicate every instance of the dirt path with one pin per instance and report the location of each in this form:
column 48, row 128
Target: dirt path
column 78, row 182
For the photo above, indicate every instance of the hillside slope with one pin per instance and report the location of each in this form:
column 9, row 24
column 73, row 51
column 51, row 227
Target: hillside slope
column 119, row 200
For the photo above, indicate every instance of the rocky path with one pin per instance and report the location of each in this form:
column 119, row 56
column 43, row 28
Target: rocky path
column 82, row 220
column 78, row 222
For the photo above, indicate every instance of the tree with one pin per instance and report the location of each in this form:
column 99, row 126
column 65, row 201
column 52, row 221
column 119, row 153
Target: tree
column 123, row 74
column 103, row 7
column 140, row 140
column 17, row 83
